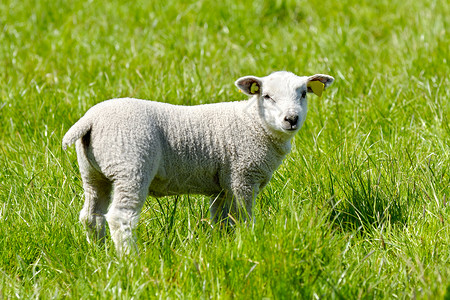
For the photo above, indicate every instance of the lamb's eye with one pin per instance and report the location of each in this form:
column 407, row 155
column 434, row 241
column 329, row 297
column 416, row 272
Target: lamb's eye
column 267, row 97
column 304, row 94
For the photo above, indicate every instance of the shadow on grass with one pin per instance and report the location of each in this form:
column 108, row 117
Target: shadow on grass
column 364, row 204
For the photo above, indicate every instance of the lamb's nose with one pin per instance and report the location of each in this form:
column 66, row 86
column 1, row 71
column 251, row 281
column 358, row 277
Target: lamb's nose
column 292, row 119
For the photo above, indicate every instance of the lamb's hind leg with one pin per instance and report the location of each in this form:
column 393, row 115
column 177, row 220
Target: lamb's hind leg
column 97, row 191
column 123, row 215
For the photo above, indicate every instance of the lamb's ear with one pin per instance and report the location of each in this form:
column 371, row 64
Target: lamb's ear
column 249, row 85
column 319, row 82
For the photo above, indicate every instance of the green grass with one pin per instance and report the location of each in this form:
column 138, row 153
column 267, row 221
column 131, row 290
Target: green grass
column 359, row 209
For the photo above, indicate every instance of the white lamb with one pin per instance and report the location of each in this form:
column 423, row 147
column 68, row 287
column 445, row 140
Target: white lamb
column 129, row 148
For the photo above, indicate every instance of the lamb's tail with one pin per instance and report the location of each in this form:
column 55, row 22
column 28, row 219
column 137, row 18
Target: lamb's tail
column 77, row 131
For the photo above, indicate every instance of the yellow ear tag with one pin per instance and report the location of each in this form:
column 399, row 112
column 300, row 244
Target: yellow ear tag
column 254, row 88
column 317, row 87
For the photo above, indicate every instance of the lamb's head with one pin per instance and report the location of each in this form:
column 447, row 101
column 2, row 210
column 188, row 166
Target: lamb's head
column 281, row 98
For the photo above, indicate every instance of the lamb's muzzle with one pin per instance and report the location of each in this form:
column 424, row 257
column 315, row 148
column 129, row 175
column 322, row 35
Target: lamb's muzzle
column 291, row 120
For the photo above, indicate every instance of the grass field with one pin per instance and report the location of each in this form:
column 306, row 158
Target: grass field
column 359, row 209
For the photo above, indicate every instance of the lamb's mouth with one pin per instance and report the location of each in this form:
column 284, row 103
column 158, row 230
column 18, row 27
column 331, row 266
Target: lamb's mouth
column 289, row 127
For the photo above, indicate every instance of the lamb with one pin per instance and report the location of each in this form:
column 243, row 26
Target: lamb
column 130, row 148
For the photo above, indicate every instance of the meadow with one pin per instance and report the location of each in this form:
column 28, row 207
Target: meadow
column 359, row 209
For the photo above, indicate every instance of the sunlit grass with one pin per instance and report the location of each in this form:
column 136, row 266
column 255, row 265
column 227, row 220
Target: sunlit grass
column 359, row 209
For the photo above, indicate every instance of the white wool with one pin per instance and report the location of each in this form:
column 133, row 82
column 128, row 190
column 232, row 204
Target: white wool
column 129, row 148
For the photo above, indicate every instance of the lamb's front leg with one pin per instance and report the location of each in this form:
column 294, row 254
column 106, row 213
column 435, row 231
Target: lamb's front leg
column 219, row 207
column 244, row 196
column 234, row 204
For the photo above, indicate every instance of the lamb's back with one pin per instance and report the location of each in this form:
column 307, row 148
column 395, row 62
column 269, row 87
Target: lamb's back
column 191, row 146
